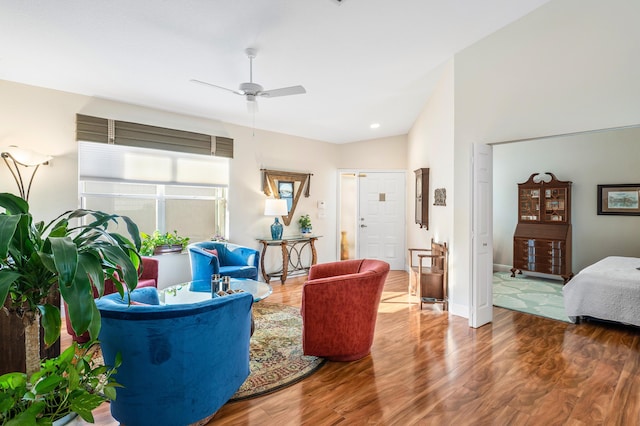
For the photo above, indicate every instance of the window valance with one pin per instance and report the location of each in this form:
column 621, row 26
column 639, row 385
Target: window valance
column 103, row 130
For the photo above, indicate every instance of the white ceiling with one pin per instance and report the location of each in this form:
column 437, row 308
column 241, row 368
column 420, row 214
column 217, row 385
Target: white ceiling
column 361, row 61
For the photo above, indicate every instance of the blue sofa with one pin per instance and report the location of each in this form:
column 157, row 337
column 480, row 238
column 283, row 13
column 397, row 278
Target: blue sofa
column 180, row 363
column 231, row 260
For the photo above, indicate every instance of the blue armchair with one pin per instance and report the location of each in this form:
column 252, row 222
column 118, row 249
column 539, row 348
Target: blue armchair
column 180, row 363
column 211, row 257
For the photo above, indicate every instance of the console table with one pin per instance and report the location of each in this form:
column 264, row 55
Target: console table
column 291, row 249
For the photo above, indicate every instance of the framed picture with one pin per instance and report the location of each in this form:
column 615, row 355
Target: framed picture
column 621, row 199
column 285, row 192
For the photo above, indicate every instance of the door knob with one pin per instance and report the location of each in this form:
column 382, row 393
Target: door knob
column 363, row 226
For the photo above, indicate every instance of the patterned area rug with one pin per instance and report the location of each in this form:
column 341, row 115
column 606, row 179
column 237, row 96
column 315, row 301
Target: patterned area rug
column 535, row 296
column 276, row 359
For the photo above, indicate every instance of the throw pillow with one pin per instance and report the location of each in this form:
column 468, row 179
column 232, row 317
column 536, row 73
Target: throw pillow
column 212, row 251
column 234, row 259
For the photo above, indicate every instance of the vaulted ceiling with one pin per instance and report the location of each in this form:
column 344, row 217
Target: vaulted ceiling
column 360, row 61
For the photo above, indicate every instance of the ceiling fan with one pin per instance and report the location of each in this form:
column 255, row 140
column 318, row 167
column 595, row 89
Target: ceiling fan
column 251, row 90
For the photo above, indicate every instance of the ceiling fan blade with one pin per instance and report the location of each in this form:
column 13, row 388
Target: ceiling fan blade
column 285, row 91
column 237, row 92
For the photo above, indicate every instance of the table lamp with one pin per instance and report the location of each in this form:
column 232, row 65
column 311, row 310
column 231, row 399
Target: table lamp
column 275, row 207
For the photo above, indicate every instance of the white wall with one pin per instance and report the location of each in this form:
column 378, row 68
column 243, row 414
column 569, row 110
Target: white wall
column 587, row 160
column 431, row 145
column 570, row 65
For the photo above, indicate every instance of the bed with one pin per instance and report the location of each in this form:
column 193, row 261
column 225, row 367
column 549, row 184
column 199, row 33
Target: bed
column 608, row 290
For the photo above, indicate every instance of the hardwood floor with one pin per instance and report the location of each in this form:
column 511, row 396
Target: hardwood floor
column 427, row 367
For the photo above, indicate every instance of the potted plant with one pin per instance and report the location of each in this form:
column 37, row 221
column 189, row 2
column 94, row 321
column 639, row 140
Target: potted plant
column 158, row 243
column 70, row 384
column 305, row 224
column 38, row 259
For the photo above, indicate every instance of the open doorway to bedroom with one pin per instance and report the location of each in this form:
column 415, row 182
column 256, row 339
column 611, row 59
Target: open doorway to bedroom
column 607, row 156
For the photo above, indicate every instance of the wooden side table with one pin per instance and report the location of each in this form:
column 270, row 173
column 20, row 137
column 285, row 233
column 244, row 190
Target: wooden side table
column 292, row 249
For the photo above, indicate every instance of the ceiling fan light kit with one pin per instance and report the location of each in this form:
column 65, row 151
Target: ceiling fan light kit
column 251, row 90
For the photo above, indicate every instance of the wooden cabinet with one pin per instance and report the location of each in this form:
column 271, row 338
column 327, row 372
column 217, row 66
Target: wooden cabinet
column 542, row 239
column 422, row 197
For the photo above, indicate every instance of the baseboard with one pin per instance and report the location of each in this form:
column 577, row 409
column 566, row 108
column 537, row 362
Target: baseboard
column 501, row 268
column 507, row 268
column 458, row 310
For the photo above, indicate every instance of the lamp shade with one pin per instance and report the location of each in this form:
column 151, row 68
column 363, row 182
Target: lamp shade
column 24, row 157
column 275, row 207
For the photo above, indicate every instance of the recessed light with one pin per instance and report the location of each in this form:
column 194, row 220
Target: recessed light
column 374, row 125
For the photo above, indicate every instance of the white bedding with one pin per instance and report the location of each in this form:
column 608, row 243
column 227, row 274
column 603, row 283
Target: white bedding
column 608, row 290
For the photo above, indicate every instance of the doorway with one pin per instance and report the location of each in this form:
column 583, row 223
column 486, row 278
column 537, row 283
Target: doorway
column 372, row 216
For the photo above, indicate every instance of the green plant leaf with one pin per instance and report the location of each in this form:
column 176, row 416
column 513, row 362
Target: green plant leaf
column 8, row 225
column 51, row 322
column 85, row 404
column 6, row 279
column 23, row 419
column 96, row 322
column 79, row 298
column 127, row 271
column 13, row 204
column 68, row 354
column 48, row 384
column 65, row 257
column 90, row 266
column 74, row 378
column 132, row 228
column 110, row 392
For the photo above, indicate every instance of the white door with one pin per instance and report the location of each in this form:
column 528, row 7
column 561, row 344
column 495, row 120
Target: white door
column 381, row 219
column 481, row 311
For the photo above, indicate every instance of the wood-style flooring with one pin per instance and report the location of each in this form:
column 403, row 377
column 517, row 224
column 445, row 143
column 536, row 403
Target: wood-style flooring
column 428, row 367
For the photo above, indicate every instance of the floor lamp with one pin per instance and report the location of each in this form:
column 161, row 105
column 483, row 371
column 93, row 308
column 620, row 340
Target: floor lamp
column 14, row 157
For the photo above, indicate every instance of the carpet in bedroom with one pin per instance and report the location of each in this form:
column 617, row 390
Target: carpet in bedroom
column 536, row 296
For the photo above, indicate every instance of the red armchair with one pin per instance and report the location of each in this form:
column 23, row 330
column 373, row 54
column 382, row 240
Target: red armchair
column 340, row 306
column 148, row 278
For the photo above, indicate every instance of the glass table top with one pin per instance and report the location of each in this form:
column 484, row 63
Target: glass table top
column 197, row 291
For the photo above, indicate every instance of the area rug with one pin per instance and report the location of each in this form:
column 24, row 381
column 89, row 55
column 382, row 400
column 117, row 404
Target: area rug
column 276, row 359
column 531, row 295
column 275, row 354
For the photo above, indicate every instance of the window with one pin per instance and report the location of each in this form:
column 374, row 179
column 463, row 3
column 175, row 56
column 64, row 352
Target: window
column 157, row 189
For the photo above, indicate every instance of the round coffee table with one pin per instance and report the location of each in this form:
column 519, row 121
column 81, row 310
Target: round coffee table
column 197, row 291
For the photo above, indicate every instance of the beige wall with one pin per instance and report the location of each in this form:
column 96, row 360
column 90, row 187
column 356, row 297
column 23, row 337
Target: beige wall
column 571, row 65
column 380, row 153
column 44, row 120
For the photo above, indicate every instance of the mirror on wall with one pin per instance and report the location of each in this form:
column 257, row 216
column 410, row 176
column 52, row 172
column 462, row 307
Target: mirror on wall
column 287, row 186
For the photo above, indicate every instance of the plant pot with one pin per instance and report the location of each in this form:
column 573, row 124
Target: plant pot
column 166, row 249
column 65, row 420
column 12, row 329
column 306, row 232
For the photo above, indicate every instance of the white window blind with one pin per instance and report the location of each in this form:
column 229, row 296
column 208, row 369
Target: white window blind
column 132, row 164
